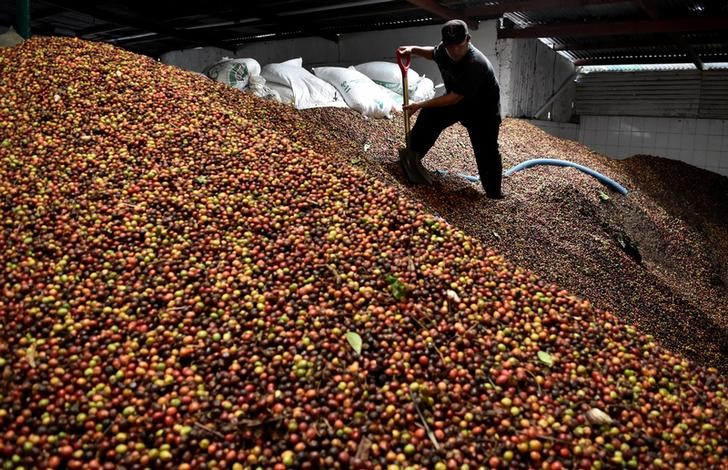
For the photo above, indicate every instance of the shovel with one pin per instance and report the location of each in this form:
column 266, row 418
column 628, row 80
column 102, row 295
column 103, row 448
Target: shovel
column 409, row 160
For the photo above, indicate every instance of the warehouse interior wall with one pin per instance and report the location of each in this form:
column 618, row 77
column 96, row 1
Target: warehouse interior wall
column 197, row 59
column 351, row 49
column 529, row 72
column 534, row 72
column 701, row 94
column 700, row 142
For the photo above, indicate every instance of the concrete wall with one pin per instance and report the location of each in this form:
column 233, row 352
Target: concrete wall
column 351, row 49
column 535, row 73
column 528, row 71
column 562, row 130
column 195, row 59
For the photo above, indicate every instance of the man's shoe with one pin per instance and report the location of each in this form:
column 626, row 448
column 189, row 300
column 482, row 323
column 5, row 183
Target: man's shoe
column 498, row 195
column 423, row 172
column 412, row 167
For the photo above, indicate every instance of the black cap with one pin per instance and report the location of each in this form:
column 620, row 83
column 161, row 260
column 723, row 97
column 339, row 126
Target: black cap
column 454, row 32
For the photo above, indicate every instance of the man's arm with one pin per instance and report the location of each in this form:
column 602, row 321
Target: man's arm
column 428, row 52
column 444, row 100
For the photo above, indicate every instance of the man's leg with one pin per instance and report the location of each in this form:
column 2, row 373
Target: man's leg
column 430, row 123
column 484, row 138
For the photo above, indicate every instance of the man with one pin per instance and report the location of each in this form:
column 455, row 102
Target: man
column 472, row 98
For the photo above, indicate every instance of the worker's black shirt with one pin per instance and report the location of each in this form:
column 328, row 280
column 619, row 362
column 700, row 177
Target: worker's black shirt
column 473, row 77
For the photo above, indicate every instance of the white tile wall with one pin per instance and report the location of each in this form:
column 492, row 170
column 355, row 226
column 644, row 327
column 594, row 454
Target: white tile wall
column 699, row 142
column 564, row 130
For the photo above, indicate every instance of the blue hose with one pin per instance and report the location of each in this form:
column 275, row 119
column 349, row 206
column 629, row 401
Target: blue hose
column 548, row 161
column 551, row 161
column 471, row 178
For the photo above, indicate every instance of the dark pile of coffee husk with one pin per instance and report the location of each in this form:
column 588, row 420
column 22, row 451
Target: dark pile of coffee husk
column 571, row 230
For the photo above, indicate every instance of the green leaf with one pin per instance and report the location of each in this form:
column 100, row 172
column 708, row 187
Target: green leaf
column 604, row 196
column 546, row 358
column 399, row 290
column 354, row 340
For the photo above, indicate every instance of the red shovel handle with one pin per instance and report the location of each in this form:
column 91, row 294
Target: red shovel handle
column 404, row 61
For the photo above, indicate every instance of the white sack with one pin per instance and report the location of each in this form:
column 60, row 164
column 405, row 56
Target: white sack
column 252, row 64
column 284, row 92
column 425, row 91
column 358, row 90
column 389, row 75
column 394, row 96
column 309, row 91
column 234, row 72
column 298, row 61
column 258, row 87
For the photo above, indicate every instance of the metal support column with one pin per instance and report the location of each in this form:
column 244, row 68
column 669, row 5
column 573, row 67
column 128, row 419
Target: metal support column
column 23, row 18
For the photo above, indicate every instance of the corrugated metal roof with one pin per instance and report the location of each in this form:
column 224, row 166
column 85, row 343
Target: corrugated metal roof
column 612, row 11
column 649, row 67
column 641, row 32
column 587, row 32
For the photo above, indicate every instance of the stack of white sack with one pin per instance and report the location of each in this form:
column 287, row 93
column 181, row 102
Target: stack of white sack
column 372, row 88
column 300, row 88
column 389, row 75
column 359, row 91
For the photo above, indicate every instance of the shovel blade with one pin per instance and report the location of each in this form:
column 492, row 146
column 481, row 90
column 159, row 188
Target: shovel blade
column 412, row 167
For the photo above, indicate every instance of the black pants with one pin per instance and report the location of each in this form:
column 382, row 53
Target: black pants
column 483, row 132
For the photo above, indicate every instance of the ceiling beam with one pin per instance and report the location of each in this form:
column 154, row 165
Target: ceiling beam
column 608, row 28
column 653, row 11
column 99, row 29
column 138, row 23
column 39, row 14
column 362, row 27
column 677, row 59
column 694, row 57
column 436, row 9
column 610, row 43
column 318, row 21
column 330, row 7
column 494, row 11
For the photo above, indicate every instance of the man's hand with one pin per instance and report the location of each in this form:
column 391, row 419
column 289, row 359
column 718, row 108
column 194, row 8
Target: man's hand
column 411, row 108
column 426, row 52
